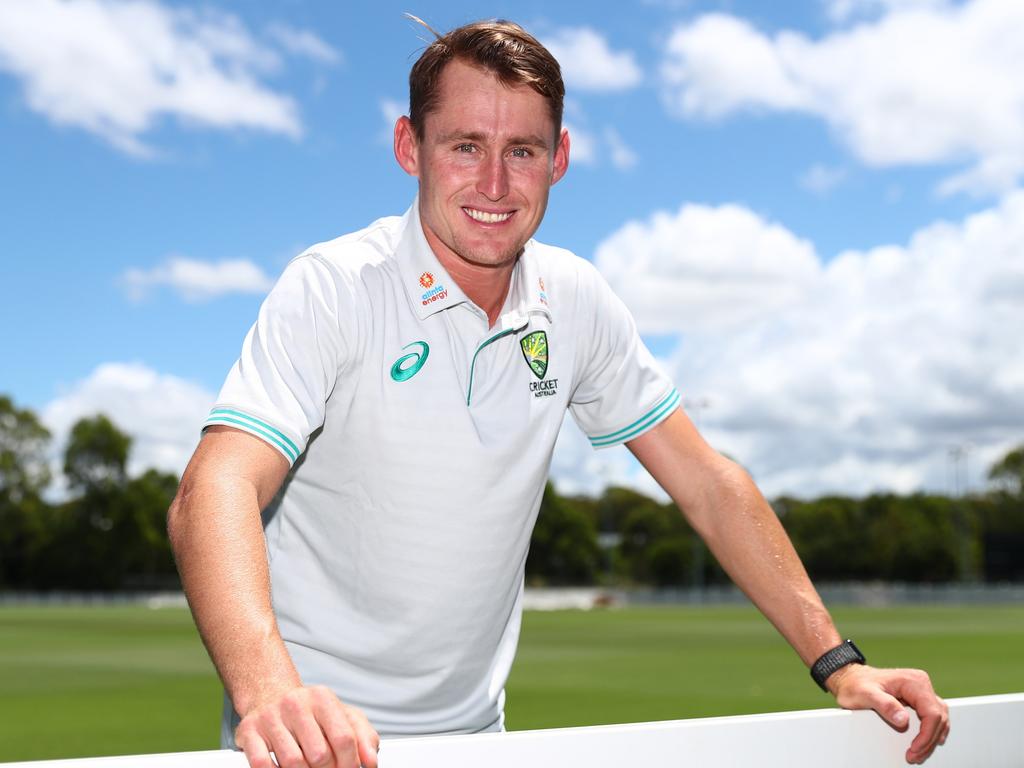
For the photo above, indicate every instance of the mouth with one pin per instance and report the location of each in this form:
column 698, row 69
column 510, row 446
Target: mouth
column 487, row 217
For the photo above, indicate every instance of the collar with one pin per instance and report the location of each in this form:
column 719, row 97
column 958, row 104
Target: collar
column 431, row 289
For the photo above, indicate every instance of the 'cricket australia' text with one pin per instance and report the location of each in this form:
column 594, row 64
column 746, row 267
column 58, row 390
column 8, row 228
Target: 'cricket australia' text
column 546, row 388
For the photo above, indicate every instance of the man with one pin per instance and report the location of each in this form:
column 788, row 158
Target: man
column 393, row 415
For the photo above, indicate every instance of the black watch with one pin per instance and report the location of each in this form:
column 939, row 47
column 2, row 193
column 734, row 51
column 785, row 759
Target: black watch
column 837, row 658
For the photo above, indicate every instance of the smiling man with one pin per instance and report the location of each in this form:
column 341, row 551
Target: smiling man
column 392, row 416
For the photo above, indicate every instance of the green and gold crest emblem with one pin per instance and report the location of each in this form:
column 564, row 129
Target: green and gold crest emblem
column 535, row 350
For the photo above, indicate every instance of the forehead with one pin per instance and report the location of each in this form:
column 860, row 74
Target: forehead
column 473, row 100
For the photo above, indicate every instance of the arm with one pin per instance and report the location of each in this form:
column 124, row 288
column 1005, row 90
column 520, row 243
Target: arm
column 217, row 536
column 725, row 508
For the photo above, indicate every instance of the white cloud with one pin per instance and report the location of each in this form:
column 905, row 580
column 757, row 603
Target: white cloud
column 622, row 156
column 852, row 375
column 588, row 64
column 926, row 83
column 116, row 68
column 197, row 280
column 844, row 10
column 704, row 268
column 822, row 179
column 162, row 413
column 302, row 42
column 390, row 110
column 582, row 145
column 592, row 149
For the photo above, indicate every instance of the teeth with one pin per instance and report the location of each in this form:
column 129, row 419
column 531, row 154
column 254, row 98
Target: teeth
column 486, row 218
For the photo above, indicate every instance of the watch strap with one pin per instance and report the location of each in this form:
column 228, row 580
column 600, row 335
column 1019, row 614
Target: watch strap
column 837, row 658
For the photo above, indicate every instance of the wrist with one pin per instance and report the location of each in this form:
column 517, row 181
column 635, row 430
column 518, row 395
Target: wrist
column 835, row 680
column 824, row 671
column 255, row 693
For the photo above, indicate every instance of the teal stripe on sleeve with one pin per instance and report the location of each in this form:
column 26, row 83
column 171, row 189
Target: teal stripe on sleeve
column 669, row 402
column 261, row 428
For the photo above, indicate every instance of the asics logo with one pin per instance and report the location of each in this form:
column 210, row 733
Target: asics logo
column 408, row 365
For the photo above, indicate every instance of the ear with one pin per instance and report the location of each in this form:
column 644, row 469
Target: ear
column 561, row 159
column 406, row 146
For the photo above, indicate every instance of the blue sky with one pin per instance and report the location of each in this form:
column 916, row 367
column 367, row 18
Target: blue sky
column 811, row 207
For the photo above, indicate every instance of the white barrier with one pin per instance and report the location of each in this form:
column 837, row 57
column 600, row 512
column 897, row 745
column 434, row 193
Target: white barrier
column 987, row 732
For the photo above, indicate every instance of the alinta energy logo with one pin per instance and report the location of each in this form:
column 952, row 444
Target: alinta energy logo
column 535, row 351
column 434, row 292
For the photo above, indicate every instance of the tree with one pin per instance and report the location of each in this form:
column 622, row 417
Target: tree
column 1008, row 472
column 112, row 535
column 24, row 475
column 563, row 549
column 831, row 537
column 97, row 455
column 23, row 442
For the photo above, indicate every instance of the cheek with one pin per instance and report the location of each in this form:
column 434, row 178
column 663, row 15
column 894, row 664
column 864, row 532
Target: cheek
column 534, row 181
column 452, row 172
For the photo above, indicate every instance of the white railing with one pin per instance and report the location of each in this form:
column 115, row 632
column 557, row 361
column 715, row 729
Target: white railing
column 987, row 732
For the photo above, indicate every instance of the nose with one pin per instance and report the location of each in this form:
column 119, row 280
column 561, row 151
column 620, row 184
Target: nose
column 493, row 180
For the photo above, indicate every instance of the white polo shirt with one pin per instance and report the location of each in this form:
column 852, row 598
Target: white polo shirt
column 421, row 440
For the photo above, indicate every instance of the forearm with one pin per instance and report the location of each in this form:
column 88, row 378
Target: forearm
column 724, row 506
column 748, row 540
column 218, row 542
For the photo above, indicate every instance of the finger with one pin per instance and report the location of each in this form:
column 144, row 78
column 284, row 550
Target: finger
column 367, row 738
column 283, row 745
column 299, row 718
column 932, row 711
column 255, row 749
column 330, row 713
column 934, row 722
column 890, row 709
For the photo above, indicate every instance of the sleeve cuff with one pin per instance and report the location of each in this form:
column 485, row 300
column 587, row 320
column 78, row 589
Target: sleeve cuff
column 664, row 407
column 276, row 438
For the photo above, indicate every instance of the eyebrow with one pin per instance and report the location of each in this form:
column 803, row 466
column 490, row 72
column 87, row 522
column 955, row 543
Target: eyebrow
column 530, row 140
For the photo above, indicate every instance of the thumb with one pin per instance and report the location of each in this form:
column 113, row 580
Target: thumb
column 893, row 712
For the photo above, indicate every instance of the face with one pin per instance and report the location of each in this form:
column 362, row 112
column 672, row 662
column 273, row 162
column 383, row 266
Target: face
column 486, row 162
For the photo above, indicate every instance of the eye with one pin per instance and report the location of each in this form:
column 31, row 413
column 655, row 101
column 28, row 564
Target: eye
column 521, row 152
column 465, row 148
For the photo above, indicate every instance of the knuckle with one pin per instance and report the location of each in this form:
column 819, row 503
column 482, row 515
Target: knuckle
column 319, row 756
column 291, row 759
column 292, row 703
column 345, row 741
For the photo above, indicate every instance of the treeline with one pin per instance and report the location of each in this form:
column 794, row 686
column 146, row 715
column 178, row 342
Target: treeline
column 626, row 538
column 109, row 534
column 110, row 531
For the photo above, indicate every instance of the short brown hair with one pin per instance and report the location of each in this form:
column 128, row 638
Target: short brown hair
column 502, row 47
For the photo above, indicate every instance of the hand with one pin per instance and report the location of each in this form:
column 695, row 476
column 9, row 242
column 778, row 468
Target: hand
column 307, row 727
column 858, row 686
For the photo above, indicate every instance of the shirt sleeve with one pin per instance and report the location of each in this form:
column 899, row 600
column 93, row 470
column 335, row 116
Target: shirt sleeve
column 621, row 391
column 290, row 360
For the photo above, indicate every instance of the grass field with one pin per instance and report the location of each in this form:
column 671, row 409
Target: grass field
column 89, row 681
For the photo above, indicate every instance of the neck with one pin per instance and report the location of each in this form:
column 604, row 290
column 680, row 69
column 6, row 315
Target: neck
column 485, row 286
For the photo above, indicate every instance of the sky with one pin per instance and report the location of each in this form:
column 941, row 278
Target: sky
column 814, row 209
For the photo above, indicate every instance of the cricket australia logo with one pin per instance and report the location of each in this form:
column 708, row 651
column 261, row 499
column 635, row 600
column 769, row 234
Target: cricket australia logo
column 535, row 350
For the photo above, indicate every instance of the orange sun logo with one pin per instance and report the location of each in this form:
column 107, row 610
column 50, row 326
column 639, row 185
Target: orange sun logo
column 426, row 279
column 540, row 281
